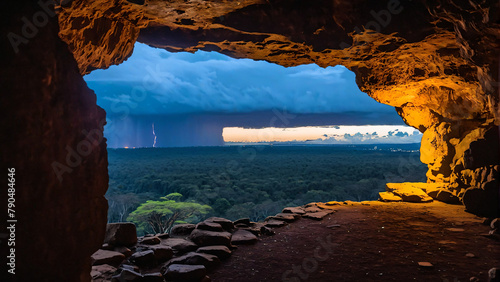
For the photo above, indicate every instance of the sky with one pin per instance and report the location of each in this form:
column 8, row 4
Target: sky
column 199, row 99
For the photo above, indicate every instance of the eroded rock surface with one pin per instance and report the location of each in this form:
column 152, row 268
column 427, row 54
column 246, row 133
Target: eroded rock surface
column 435, row 61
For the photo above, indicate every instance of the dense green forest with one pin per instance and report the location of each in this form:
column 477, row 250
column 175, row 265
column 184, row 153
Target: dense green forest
column 256, row 181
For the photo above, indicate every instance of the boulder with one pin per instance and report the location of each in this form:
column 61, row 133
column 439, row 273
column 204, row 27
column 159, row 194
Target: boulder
column 107, row 257
column 182, row 229
column 296, row 210
column 275, row 223
column 124, row 250
column 316, row 215
column 210, row 226
column 222, row 252
column 210, row 238
column 150, row 240
column 182, row 272
column 180, row 246
column 143, row 258
column 162, row 252
column 243, row 221
column 102, row 271
column 208, row 260
column 447, row 197
column 121, row 234
column 243, row 237
column 225, row 223
column 288, row 217
column 409, row 192
column 388, row 197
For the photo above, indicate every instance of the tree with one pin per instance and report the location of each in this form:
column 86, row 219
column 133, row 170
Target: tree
column 120, row 205
column 160, row 216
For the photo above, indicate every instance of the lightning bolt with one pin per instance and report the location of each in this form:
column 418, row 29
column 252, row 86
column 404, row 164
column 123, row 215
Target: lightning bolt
column 154, row 134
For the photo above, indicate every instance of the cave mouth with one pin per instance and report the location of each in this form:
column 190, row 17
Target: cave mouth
column 244, row 138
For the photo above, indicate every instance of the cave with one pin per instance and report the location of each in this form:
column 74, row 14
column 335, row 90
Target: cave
column 436, row 62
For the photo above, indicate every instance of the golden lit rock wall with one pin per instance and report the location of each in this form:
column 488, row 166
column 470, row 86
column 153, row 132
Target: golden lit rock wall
column 436, row 62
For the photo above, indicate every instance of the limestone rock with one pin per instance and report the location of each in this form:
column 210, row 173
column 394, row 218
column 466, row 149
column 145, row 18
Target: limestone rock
column 225, row 223
column 153, row 240
column 121, row 234
column 210, row 238
column 107, row 257
column 296, row 210
column 103, row 271
column 409, row 192
column 179, row 245
column 243, row 237
column 315, row 215
column 222, row 252
column 182, row 229
column 162, row 252
column 208, row 260
column 182, row 272
column 389, row 197
column 275, row 223
column 210, row 226
column 143, row 258
column 244, row 221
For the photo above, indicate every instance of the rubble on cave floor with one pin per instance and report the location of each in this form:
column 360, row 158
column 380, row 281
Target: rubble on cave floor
column 348, row 241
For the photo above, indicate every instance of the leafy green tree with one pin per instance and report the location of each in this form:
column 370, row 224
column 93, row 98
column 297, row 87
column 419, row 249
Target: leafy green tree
column 160, row 216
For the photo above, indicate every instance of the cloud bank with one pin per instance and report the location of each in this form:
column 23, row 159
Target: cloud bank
column 156, row 82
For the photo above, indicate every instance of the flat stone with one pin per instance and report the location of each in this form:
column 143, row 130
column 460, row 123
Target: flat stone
column 425, row 264
column 182, row 229
column 244, row 221
column 222, row 252
column 107, row 257
column 470, row 255
column 208, row 260
column 275, row 223
column 296, row 210
column 243, row 237
column 333, row 203
column 210, row 238
column 143, row 258
column 179, row 245
column 312, row 209
column 182, row 272
column 388, row 197
column 225, row 223
column 163, row 235
column 150, row 240
column 162, row 252
column 288, row 217
column 409, row 192
column 121, row 234
column 315, row 215
column 124, row 250
column 210, row 226
column 103, row 271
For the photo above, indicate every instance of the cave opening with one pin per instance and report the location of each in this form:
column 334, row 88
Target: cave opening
column 244, row 138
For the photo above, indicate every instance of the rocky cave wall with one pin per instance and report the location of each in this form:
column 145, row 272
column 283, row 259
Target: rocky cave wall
column 436, row 62
column 52, row 137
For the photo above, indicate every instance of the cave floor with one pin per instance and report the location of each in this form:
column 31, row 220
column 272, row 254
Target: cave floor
column 371, row 241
